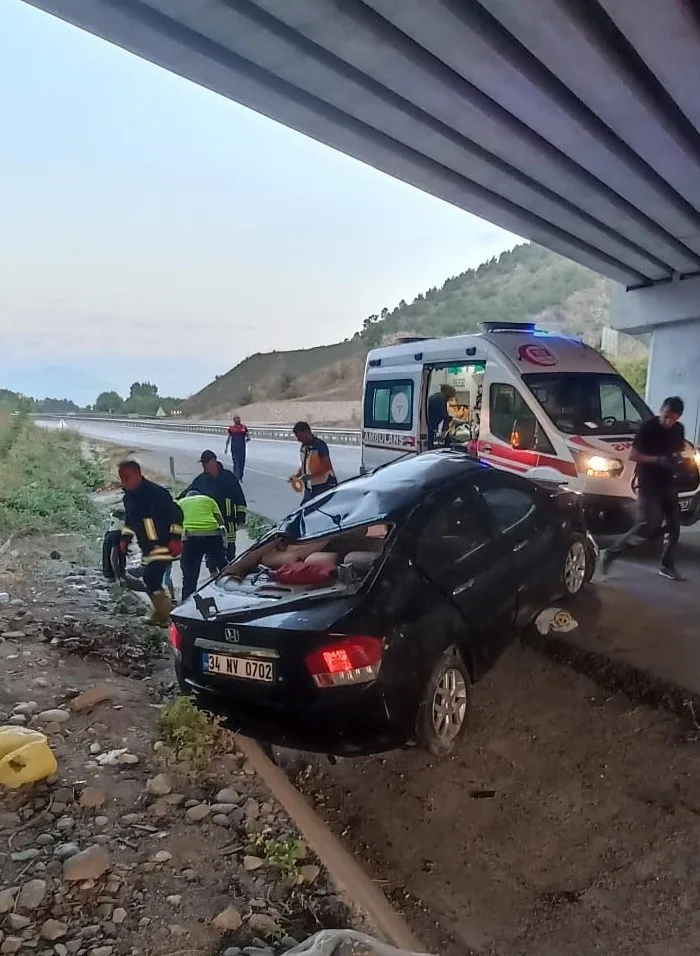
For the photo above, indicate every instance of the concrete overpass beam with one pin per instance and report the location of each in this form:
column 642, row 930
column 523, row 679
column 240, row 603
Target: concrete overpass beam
column 671, row 313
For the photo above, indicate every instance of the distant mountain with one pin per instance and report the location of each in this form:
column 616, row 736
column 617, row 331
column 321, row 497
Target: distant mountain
column 525, row 283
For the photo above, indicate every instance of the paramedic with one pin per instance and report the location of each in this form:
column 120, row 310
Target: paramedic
column 222, row 485
column 155, row 520
column 237, row 438
column 316, row 469
column 438, row 412
column 204, row 536
column 657, row 449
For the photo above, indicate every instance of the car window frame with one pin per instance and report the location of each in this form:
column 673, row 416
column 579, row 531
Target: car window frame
column 442, row 500
column 494, row 480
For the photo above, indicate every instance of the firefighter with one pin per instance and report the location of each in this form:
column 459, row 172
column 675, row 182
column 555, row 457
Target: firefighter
column 155, row 520
column 222, row 485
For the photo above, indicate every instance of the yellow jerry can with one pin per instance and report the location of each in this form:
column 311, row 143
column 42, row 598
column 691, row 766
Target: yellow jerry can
column 25, row 756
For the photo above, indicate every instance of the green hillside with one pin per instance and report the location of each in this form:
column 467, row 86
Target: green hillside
column 525, row 283
column 520, row 284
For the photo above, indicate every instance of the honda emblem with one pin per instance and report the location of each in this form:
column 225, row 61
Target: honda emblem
column 232, row 636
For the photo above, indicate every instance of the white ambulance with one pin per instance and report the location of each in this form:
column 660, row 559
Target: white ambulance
column 545, row 406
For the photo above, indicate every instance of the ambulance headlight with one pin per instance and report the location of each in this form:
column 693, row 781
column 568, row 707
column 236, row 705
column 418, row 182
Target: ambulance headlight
column 599, row 467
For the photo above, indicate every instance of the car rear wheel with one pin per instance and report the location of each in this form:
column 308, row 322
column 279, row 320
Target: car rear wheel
column 444, row 710
column 576, row 570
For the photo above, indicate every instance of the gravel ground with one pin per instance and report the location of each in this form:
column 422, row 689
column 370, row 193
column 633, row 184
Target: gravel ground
column 130, row 850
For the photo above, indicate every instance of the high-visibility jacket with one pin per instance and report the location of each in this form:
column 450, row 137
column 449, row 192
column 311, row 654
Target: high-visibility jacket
column 316, row 467
column 153, row 518
column 226, row 491
column 200, row 516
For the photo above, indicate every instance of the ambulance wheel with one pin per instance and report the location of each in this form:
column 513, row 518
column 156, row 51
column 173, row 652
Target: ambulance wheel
column 576, row 569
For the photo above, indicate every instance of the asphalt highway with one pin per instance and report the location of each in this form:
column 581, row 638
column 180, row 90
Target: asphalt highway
column 269, row 463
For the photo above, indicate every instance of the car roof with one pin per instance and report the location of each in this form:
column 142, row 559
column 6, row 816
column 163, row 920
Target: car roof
column 387, row 494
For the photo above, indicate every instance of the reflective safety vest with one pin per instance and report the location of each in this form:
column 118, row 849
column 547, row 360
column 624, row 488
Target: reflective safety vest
column 201, row 515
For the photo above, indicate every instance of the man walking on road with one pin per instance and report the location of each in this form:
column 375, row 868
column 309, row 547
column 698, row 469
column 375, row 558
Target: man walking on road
column 657, row 449
column 204, row 537
column 316, row 469
column 155, row 520
column 222, row 485
column 237, row 440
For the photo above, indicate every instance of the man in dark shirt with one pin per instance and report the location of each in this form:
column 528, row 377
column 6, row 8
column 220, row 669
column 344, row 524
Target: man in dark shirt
column 657, row 449
column 438, row 414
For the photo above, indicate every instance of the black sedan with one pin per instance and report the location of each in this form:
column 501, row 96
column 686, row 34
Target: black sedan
column 360, row 623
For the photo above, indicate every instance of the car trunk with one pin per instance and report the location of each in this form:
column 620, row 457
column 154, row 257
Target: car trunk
column 246, row 635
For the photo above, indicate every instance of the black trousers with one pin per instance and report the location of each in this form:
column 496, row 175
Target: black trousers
column 153, row 575
column 657, row 513
column 194, row 549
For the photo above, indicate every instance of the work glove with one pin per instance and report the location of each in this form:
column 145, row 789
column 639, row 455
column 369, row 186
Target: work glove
column 175, row 547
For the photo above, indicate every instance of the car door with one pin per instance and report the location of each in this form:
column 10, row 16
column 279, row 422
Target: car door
column 520, row 514
column 459, row 553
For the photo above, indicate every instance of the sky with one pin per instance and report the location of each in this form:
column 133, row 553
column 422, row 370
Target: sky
column 150, row 228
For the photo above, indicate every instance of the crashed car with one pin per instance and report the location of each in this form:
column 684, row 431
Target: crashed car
column 360, row 623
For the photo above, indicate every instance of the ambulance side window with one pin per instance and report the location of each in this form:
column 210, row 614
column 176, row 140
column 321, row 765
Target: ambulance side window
column 508, row 409
column 389, row 405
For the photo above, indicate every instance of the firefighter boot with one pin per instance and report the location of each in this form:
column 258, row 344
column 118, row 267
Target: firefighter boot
column 162, row 606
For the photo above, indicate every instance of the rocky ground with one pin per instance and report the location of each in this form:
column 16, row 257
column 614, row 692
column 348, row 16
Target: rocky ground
column 134, row 847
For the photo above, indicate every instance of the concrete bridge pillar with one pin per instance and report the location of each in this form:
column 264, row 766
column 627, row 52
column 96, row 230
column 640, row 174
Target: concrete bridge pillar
column 671, row 313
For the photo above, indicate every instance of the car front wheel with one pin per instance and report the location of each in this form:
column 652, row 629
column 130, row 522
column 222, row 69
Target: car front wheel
column 444, row 709
column 576, row 569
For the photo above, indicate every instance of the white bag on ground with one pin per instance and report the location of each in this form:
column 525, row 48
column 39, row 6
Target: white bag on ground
column 346, row 942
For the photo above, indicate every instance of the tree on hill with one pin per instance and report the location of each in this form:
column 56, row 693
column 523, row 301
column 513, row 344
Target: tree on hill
column 108, row 402
column 518, row 285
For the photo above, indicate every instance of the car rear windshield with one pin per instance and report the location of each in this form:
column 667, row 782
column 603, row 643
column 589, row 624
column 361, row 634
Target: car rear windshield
column 361, row 546
column 588, row 403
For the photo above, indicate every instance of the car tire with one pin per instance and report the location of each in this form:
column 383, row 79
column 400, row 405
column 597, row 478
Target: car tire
column 444, row 710
column 577, row 567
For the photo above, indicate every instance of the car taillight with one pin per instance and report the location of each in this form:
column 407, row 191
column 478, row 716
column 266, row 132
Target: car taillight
column 174, row 637
column 347, row 660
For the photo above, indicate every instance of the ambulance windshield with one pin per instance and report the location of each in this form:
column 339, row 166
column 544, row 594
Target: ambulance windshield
column 588, row 403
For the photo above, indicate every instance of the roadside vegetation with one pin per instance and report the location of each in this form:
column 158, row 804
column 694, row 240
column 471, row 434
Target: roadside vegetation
column 45, row 480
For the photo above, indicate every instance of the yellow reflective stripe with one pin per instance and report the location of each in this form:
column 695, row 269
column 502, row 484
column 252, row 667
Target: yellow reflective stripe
column 150, row 529
column 228, row 507
column 151, row 558
column 175, row 529
column 241, row 510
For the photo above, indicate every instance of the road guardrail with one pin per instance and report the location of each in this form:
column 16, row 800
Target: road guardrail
column 335, row 436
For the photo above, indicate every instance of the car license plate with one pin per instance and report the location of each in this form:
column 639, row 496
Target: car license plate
column 686, row 504
column 245, row 668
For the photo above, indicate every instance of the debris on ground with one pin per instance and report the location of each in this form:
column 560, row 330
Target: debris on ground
column 139, row 843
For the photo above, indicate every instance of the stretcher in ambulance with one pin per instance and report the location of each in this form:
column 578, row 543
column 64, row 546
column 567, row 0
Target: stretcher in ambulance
column 548, row 407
